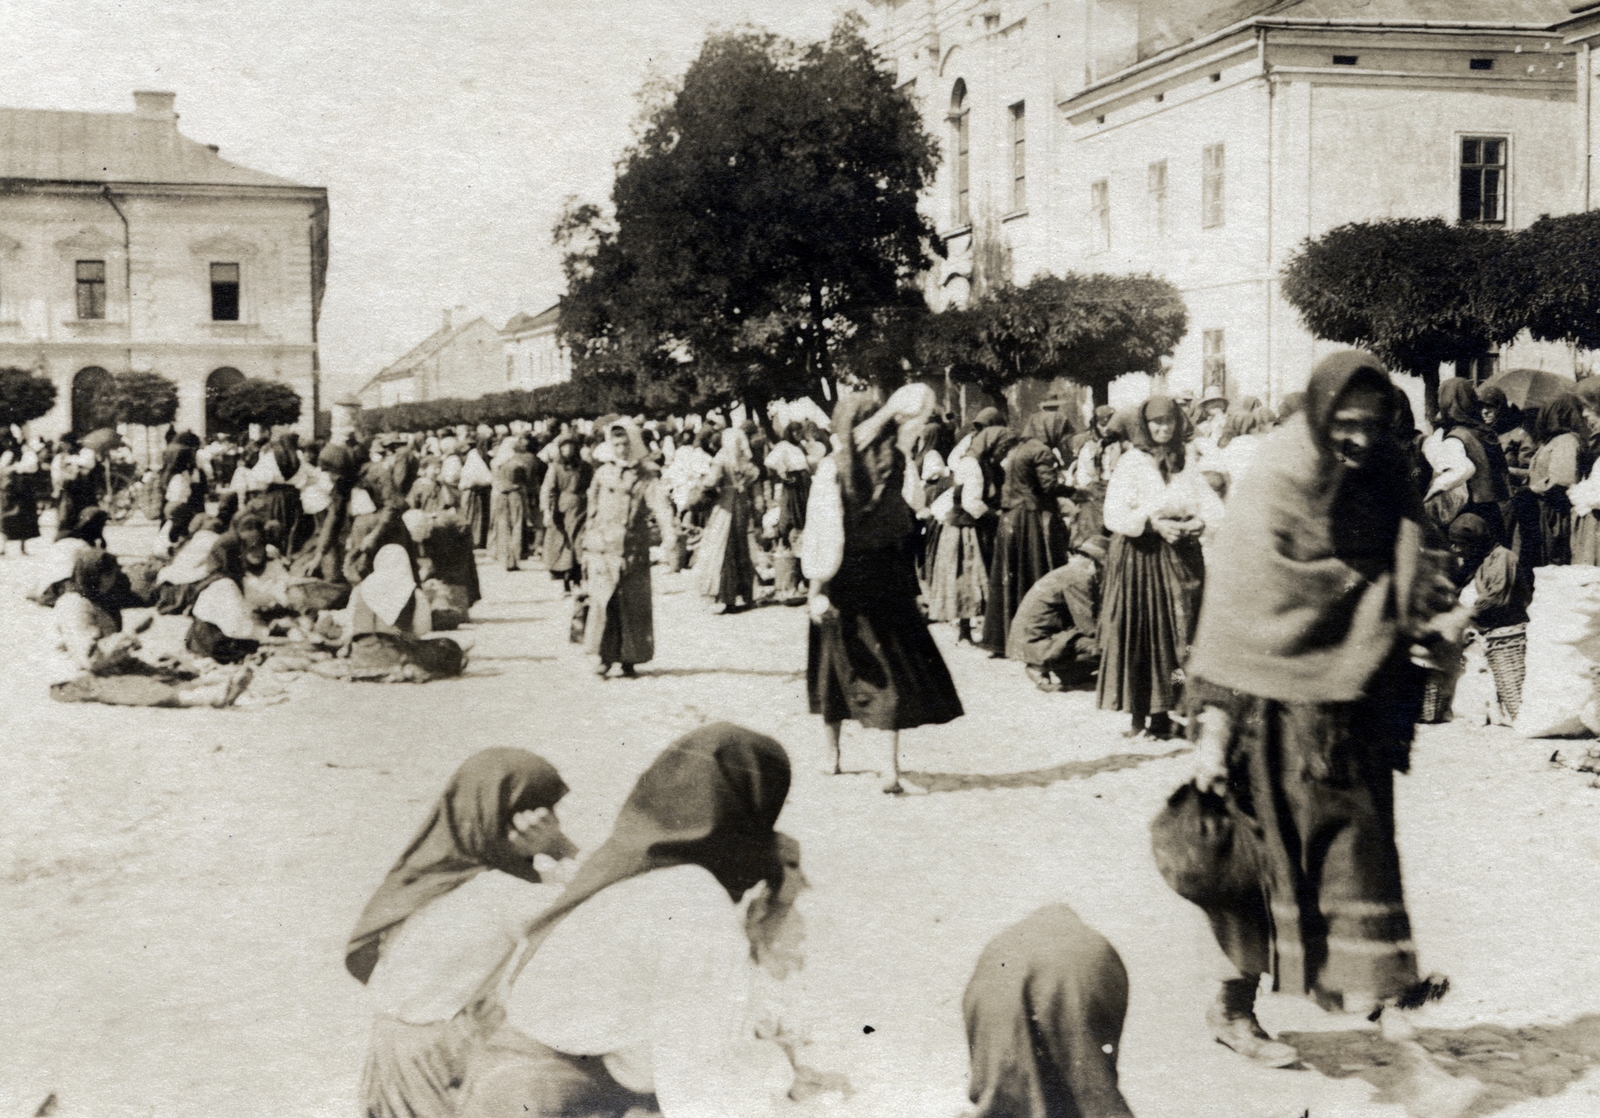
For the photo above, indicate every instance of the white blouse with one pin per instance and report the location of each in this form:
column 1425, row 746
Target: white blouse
column 654, row 973
column 437, row 959
column 1137, row 493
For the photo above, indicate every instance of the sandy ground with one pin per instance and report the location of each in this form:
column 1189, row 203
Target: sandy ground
column 176, row 886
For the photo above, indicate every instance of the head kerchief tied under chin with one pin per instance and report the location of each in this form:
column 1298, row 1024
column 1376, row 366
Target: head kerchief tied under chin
column 465, row 835
column 391, row 585
column 637, row 453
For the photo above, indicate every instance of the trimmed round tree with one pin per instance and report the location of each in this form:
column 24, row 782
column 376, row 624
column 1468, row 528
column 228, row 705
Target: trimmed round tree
column 24, row 396
column 143, row 398
column 268, row 403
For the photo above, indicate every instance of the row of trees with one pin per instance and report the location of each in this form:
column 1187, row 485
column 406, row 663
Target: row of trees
column 570, row 400
column 1421, row 292
column 147, row 399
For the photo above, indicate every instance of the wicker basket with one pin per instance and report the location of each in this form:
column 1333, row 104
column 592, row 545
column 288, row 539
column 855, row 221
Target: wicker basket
column 1438, row 696
column 1506, row 650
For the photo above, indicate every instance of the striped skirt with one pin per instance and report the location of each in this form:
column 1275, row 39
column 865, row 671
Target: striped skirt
column 1152, row 601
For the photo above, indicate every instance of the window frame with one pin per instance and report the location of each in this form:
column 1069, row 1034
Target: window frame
column 1156, row 194
column 960, row 120
column 1019, row 156
column 1214, row 186
column 1100, row 216
column 1463, row 169
column 90, row 285
column 218, row 288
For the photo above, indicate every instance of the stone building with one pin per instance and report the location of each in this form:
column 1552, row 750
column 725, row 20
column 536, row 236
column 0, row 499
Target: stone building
column 125, row 245
column 1205, row 141
column 535, row 356
column 454, row 362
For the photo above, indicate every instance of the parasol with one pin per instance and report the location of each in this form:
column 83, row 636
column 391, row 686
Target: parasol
column 101, row 441
column 1530, row 388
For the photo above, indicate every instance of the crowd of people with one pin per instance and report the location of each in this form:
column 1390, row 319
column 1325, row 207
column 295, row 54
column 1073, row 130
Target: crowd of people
column 1288, row 588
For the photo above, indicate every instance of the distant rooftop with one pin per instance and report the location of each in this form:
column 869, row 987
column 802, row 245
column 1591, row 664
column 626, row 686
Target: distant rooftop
column 143, row 146
column 522, row 321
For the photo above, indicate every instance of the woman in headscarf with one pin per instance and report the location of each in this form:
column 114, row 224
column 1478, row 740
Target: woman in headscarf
column 1044, row 1012
column 1032, row 539
column 508, row 504
column 391, row 621
column 19, row 508
column 1556, row 468
column 275, row 478
column 958, row 575
column 1585, row 495
column 791, row 473
column 564, row 497
column 1157, row 506
column 870, row 656
column 1471, row 486
column 624, row 494
column 724, row 566
column 1306, row 699
column 477, row 481
column 635, row 987
column 452, row 908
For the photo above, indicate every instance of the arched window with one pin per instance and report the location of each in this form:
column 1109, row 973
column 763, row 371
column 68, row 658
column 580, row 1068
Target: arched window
column 961, row 145
column 219, row 384
column 87, row 386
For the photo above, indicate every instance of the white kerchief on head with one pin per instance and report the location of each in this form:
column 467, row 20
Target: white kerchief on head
column 390, row 585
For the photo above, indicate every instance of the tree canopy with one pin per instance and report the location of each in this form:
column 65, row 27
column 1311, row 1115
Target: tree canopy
column 1415, row 291
column 568, row 400
column 1090, row 329
column 256, row 400
column 24, row 396
column 1556, row 278
column 764, row 223
column 147, row 399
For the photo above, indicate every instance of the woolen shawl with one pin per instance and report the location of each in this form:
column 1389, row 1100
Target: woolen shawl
column 1309, row 569
column 465, row 835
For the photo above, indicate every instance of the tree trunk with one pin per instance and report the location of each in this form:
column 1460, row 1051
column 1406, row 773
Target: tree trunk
column 1430, row 390
column 1101, row 393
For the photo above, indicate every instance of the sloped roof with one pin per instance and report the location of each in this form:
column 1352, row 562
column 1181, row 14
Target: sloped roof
column 522, row 321
column 433, row 343
column 53, row 146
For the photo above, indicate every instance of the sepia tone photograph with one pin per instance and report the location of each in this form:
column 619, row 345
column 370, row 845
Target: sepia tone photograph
column 800, row 559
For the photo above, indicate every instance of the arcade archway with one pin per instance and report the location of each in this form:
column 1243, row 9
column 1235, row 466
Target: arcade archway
column 219, row 384
column 87, row 386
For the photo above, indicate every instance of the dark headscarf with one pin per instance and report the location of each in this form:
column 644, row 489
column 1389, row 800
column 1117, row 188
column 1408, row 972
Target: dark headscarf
column 90, row 525
column 988, row 417
column 1563, row 415
column 1103, row 414
column 1048, row 427
column 1459, row 407
column 1169, row 457
column 465, row 835
column 867, row 475
column 711, row 799
column 990, row 446
column 1314, row 564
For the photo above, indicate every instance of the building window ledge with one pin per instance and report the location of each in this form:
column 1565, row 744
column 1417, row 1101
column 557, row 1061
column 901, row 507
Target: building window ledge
column 958, row 231
column 93, row 325
column 227, row 329
column 1014, row 215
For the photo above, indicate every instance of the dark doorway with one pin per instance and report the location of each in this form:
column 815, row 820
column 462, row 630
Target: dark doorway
column 87, row 386
column 219, row 384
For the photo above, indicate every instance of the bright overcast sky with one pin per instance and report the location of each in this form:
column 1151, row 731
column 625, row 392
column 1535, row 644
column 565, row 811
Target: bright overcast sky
column 448, row 132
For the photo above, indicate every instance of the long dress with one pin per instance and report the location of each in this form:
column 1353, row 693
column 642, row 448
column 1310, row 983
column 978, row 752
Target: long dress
column 616, row 551
column 508, row 510
column 19, row 512
column 871, row 657
column 1031, row 540
column 724, row 570
column 1152, row 588
column 1553, row 472
column 958, row 573
column 565, row 497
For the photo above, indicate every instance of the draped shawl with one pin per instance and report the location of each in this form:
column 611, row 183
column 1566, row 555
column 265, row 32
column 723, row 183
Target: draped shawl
column 1309, row 572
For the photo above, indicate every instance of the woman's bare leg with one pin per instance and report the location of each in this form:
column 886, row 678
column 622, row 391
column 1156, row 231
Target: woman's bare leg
column 831, row 732
column 893, row 785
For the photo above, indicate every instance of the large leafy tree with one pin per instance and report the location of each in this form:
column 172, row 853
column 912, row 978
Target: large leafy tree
column 146, row 399
column 1090, row 329
column 1416, row 291
column 764, row 224
column 24, row 396
column 1556, row 278
column 256, row 400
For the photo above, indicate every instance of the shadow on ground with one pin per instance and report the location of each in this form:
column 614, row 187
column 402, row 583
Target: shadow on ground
column 1036, row 778
column 672, row 673
column 1535, row 1061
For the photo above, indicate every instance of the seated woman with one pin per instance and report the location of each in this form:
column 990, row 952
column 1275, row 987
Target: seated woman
column 88, row 617
column 88, row 531
column 446, row 567
column 389, row 618
column 1044, row 1013
column 636, row 990
column 449, row 912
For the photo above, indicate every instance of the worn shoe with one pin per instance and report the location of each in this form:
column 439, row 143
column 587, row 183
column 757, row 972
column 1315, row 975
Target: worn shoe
column 1233, row 1023
column 1042, row 679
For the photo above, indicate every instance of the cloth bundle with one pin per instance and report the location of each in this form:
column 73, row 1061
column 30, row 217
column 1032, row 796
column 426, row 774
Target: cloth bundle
column 1558, row 693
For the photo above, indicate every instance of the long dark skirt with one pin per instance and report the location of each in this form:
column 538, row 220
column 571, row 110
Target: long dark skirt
column 872, row 658
column 1044, row 1012
column 1152, row 601
column 796, row 491
column 562, row 539
column 1555, row 528
column 1029, row 544
column 1312, row 787
column 412, row 1071
column 723, row 565
column 281, row 504
column 19, row 512
column 475, row 506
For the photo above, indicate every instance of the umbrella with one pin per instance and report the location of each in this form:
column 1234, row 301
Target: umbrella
column 101, row 441
column 1530, row 388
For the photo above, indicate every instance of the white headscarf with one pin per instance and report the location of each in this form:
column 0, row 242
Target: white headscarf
column 193, row 561
column 636, row 448
column 390, row 585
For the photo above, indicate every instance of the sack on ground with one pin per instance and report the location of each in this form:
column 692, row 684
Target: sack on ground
column 1563, row 652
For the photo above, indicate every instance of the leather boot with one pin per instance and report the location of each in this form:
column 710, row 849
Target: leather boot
column 1232, row 1018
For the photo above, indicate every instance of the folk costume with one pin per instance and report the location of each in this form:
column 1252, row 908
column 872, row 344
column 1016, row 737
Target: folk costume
column 1032, row 539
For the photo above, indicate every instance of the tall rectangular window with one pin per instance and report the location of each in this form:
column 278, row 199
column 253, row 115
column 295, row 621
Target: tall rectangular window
column 960, row 210
column 1214, row 367
column 1212, row 213
column 1157, row 178
column 1100, row 216
column 225, row 293
column 91, row 289
column 1019, row 156
column 1483, row 180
